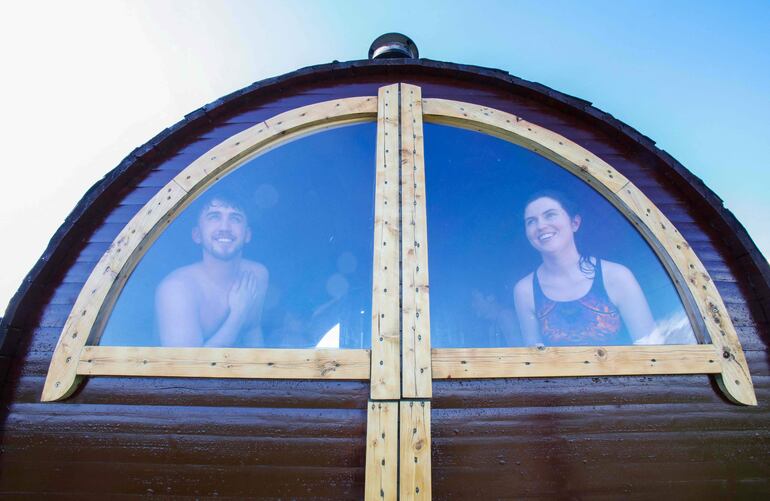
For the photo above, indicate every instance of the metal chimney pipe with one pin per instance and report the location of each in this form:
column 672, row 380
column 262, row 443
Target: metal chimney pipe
column 393, row 45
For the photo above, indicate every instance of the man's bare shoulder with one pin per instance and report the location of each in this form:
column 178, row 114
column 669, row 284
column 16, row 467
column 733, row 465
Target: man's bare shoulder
column 253, row 266
column 186, row 279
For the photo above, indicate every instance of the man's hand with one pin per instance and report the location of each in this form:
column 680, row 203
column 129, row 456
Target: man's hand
column 243, row 296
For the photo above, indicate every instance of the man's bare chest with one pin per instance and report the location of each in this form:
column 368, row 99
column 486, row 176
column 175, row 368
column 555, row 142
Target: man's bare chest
column 213, row 311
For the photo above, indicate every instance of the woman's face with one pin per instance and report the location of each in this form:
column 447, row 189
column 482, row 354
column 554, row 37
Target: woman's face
column 548, row 226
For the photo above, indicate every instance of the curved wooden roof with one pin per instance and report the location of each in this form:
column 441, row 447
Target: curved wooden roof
column 99, row 196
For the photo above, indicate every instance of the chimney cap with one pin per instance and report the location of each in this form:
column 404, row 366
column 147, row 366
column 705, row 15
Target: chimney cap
column 393, row 45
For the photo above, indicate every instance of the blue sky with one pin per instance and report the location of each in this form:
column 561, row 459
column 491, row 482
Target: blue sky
column 87, row 81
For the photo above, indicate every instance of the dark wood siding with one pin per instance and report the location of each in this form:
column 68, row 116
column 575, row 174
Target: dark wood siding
column 572, row 437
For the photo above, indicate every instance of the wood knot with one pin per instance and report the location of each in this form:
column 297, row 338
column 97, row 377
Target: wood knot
column 328, row 367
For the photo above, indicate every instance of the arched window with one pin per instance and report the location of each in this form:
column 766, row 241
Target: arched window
column 524, row 253
column 275, row 254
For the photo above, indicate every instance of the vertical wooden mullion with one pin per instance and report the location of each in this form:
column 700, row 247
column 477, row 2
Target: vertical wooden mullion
column 398, row 431
column 386, row 363
column 416, row 375
column 381, row 477
column 414, row 450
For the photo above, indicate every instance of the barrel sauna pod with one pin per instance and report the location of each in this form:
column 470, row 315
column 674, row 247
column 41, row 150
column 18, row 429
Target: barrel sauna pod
column 243, row 307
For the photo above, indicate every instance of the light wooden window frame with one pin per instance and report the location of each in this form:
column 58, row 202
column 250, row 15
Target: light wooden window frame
column 723, row 356
column 401, row 364
column 73, row 359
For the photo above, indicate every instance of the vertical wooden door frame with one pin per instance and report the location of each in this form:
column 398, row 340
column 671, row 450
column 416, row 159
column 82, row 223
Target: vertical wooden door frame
column 385, row 374
column 398, row 414
column 416, row 373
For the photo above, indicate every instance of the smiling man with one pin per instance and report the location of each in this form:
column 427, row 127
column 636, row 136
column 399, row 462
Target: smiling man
column 218, row 300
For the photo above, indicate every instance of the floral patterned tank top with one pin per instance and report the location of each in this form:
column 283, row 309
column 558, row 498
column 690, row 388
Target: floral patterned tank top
column 590, row 320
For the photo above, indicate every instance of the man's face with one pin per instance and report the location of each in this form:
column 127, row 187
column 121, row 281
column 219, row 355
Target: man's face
column 222, row 230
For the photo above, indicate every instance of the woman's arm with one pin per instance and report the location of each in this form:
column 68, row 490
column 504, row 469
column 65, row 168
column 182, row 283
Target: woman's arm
column 524, row 299
column 624, row 291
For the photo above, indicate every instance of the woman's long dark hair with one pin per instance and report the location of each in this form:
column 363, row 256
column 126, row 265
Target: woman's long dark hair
column 586, row 263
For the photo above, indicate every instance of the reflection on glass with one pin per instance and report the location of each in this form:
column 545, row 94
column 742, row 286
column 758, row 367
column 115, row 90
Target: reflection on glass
column 277, row 254
column 523, row 253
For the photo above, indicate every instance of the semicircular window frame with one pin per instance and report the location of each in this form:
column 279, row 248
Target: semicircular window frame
column 73, row 358
column 722, row 357
column 401, row 363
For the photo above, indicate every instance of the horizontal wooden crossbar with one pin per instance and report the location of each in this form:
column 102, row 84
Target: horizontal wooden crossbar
column 252, row 363
column 455, row 363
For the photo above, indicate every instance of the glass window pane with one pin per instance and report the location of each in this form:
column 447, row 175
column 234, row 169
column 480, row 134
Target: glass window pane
column 524, row 253
column 276, row 254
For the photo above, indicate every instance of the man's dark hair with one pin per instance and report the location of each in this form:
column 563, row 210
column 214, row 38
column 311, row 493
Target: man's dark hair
column 227, row 198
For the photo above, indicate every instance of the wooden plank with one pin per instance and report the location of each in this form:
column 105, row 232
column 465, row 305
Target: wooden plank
column 452, row 363
column 386, row 349
column 416, row 379
column 515, row 129
column 228, row 154
column 735, row 379
column 97, row 297
column 224, row 362
column 222, row 392
column 414, row 450
column 122, row 481
column 698, row 293
column 109, row 275
column 381, row 451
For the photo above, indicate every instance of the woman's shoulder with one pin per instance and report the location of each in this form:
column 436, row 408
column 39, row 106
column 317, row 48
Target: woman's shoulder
column 524, row 286
column 617, row 277
column 613, row 270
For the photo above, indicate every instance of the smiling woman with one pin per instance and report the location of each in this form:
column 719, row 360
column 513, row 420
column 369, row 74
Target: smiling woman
column 572, row 298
